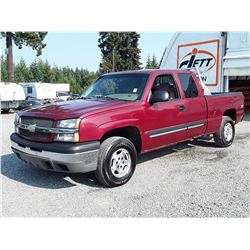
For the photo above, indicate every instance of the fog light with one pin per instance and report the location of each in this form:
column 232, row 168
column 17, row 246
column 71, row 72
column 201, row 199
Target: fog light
column 67, row 137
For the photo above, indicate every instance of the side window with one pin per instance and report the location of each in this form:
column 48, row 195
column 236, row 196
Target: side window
column 166, row 83
column 188, row 84
column 29, row 90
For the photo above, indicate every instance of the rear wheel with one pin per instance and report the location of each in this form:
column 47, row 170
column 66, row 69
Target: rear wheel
column 225, row 136
column 116, row 161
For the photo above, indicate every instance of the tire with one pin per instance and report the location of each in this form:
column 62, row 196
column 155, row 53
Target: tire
column 116, row 161
column 225, row 136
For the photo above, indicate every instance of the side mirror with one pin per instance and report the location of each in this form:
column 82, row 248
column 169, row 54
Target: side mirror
column 159, row 96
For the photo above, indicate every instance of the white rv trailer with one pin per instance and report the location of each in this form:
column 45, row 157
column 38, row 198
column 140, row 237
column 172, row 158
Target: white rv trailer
column 44, row 91
column 11, row 94
column 223, row 58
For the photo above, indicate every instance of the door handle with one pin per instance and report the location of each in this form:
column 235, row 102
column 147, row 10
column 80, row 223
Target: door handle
column 181, row 107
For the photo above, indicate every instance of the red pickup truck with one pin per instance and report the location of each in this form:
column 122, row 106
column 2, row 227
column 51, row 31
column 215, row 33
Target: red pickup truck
column 121, row 115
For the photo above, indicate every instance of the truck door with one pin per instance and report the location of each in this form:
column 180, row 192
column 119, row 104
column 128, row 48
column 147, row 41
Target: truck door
column 195, row 105
column 165, row 122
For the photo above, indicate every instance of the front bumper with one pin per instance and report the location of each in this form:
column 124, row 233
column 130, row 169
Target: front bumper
column 60, row 157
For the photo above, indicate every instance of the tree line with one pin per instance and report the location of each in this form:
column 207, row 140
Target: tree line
column 42, row 71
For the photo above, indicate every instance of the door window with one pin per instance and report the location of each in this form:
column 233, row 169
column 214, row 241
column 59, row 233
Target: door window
column 166, row 83
column 188, row 85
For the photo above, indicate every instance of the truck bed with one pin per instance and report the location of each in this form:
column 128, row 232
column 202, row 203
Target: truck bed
column 219, row 103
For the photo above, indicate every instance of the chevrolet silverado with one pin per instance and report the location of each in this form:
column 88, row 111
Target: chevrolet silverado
column 119, row 116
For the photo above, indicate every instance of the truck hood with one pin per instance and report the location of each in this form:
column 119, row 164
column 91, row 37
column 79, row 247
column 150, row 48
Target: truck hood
column 70, row 109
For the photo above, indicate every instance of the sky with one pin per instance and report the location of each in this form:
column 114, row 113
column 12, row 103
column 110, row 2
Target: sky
column 80, row 49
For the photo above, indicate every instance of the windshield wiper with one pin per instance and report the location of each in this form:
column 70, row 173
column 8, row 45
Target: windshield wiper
column 83, row 98
column 106, row 97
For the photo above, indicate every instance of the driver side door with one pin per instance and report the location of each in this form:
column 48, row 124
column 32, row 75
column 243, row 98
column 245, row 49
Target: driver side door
column 165, row 122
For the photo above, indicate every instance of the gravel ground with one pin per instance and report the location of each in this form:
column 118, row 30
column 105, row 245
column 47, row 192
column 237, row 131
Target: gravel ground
column 194, row 179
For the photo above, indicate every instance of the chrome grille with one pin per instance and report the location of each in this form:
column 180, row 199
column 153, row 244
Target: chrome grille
column 36, row 136
column 37, row 121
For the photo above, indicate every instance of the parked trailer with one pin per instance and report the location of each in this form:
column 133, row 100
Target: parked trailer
column 44, row 91
column 11, row 94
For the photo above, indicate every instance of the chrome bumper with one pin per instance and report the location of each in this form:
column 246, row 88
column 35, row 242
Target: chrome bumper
column 80, row 162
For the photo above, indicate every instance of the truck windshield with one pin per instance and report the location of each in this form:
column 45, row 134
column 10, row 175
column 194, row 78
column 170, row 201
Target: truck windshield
column 127, row 87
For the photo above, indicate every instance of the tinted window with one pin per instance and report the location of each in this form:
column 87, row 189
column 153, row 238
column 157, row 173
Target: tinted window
column 188, row 85
column 29, row 90
column 166, row 83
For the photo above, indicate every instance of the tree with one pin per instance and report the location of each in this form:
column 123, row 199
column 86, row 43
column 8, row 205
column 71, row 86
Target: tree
column 148, row 63
column 22, row 72
column 32, row 39
column 119, row 51
column 35, row 74
column 4, row 72
column 44, row 70
column 151, row 64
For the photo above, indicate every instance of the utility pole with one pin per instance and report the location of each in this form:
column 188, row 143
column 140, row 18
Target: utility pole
column 9, row 56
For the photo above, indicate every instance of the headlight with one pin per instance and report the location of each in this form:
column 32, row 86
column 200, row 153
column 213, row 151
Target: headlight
column 17, row 117
column 70, row 124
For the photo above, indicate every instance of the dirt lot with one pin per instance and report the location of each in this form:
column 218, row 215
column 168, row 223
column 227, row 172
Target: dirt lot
column 194, row 179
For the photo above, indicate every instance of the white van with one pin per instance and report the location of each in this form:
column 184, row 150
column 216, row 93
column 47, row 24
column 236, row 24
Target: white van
column 11, row 94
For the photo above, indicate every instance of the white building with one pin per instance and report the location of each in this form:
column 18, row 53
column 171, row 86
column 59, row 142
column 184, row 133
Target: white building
column 223, row 59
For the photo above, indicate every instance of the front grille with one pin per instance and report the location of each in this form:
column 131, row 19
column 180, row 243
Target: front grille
column 36, row 136
column 39, row 122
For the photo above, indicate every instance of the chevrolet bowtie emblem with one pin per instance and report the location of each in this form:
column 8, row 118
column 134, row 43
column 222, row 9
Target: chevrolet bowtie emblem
column 32, row 127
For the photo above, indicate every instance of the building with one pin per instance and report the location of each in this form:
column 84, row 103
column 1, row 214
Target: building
column 223, row 59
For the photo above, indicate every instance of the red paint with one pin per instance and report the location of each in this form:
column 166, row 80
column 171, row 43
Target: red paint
column 99, row 117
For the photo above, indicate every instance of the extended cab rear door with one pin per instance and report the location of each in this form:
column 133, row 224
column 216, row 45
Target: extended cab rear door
column 195, row 106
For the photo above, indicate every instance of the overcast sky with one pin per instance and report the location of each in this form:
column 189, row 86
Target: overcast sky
column 79, row 49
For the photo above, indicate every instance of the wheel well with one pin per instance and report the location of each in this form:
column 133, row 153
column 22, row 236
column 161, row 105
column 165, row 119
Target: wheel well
column 231, row 113
column 131, row 133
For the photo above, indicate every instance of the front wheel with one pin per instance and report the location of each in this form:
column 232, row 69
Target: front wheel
column 225, row 136
column 116, row 161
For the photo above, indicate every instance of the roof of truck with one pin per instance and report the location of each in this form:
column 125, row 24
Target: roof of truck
column 148, row 71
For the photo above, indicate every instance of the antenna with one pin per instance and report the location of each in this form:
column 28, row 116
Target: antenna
column 164, row 52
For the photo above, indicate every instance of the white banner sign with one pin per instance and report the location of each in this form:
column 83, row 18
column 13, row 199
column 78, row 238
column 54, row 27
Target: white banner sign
column 203, row 54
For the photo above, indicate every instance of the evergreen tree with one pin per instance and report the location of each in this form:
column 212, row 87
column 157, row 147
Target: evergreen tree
column 22, row 72
column 44, row 71
column 4, row 72
column 34, row 70
column 119, row 51
column 148, row 63
column 151, row 64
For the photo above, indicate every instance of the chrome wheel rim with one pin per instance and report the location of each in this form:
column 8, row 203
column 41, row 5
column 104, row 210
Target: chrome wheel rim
column 120, row 163
column 228, row 132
